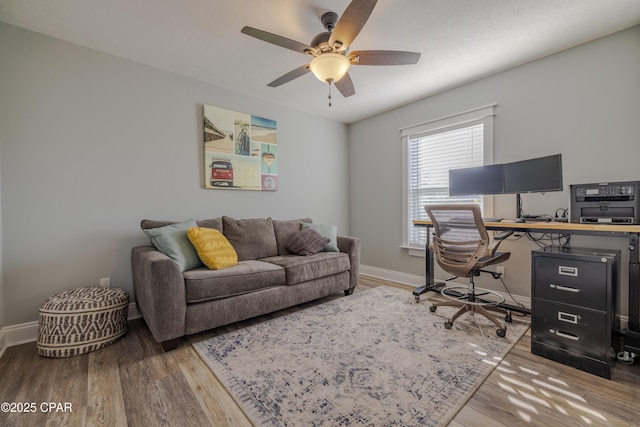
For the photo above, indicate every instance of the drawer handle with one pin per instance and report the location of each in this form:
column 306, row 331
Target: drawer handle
column 566, row 335
column 564, row 288
column 568, row 271
column 568, row 317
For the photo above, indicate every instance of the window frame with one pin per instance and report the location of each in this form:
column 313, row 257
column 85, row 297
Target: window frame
column 482, row 114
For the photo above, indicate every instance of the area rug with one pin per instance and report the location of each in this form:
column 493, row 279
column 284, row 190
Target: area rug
column 375, row 358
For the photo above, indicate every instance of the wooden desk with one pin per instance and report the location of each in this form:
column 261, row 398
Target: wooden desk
column 632, row 338
column 558, row 228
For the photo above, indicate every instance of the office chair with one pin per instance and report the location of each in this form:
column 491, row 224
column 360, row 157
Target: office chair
column 462, row 247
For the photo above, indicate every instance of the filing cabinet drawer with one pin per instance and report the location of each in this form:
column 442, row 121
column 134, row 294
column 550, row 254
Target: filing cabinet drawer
column 572, row 328
column 571, row 281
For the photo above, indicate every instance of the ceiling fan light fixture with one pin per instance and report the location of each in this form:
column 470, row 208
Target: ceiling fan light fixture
column 330, row 66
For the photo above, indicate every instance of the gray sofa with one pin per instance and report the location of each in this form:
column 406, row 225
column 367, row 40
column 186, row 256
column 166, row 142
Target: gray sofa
column 267, row 277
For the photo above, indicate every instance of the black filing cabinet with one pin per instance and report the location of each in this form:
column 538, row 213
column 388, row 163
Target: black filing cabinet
column 573, row 306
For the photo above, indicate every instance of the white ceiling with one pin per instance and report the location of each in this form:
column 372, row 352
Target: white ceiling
column 460, row 41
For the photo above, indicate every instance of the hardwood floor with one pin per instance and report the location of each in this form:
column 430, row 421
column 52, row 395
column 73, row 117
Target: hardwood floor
column 133, row 382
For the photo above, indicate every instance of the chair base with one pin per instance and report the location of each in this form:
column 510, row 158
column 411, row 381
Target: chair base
column 474, row 300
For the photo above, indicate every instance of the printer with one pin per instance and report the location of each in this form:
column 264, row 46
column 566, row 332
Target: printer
column 605, row 202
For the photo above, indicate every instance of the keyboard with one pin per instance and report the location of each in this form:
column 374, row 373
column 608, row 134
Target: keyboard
column 492, row 219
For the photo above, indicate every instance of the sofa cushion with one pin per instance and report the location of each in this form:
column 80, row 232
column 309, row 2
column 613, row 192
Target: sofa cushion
column 307, row 242
column 172, row 241
column 284, row 229
column 216, row 223
column 251, row 238
column 147, row 224
column 213, row 249
column 330, row 231
column 211, row 223
column 247, row 276
column 299, row 269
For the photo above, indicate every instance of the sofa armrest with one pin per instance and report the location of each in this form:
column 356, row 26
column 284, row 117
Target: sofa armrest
column 351, row 246
column 160, row 292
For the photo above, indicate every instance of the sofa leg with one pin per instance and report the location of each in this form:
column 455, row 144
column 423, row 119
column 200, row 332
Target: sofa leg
column 348, row 292
column 170, row 344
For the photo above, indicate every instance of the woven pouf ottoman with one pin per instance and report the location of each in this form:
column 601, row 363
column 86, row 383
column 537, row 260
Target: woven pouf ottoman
column 81, row 320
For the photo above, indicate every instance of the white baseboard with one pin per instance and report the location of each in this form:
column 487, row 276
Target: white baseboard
column 17, row 334
column 133, row 312
column 3, row 342
column 28, row 332
column 393, row 276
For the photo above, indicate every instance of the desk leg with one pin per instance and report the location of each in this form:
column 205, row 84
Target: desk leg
column 632, row 338
column 430, row 284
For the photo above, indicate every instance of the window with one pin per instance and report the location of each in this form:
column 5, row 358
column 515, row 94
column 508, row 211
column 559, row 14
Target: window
column 429, row 151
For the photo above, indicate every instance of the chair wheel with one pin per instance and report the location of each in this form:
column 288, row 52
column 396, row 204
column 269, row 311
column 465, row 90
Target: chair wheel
column 508, row 318
column 417, row 298
column 501, row 332
column 448, row 325
column 433, row 308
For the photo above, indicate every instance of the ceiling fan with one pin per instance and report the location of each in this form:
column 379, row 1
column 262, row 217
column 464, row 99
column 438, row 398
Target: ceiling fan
column 330, row 50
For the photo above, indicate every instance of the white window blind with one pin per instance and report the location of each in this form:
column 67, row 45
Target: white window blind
column 433, row 149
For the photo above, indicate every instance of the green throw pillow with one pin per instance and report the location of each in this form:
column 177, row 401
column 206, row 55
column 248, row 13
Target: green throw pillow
column 329, row 231
column 172, row 241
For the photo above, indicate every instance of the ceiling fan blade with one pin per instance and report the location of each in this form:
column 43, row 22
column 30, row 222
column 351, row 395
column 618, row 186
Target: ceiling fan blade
column 276, row 39
column 383, row 57
column 351, row 22
column 293, row 74
column 345, row 86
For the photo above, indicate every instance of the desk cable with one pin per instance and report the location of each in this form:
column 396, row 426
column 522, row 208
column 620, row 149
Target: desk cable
column 519, row 304
column 541, row 238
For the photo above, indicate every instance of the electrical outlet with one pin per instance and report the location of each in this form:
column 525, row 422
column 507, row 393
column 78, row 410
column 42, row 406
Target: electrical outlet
column 500, row 270
column 105, row 282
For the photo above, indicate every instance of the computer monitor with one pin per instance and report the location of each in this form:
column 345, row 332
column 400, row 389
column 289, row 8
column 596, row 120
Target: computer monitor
column 537, row 175
column 476, row 180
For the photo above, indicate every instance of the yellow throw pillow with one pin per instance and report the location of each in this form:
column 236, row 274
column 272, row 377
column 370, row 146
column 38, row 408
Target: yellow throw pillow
column 212, row 247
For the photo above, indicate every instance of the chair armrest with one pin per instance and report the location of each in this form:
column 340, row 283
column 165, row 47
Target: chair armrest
column 502, row 235
column 351, row 246
column 160, row 292
column 499, row 238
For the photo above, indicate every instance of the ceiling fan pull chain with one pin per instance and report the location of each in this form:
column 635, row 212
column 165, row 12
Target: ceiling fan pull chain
column 330, row 81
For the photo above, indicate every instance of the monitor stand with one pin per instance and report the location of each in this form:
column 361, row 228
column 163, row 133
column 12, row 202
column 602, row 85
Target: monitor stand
column 519, row 215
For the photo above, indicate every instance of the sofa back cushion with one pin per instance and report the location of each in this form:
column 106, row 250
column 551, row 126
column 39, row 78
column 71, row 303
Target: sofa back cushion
column 148, row 224
column 285, row 230
column 251, row 238
column 216, row 223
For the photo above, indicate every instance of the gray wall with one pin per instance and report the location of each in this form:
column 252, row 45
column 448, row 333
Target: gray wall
column 583, row 103
column 91, row 144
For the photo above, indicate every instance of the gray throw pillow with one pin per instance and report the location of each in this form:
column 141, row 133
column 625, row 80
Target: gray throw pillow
column 307, row 242
column 284, row 230
column 251, row 238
